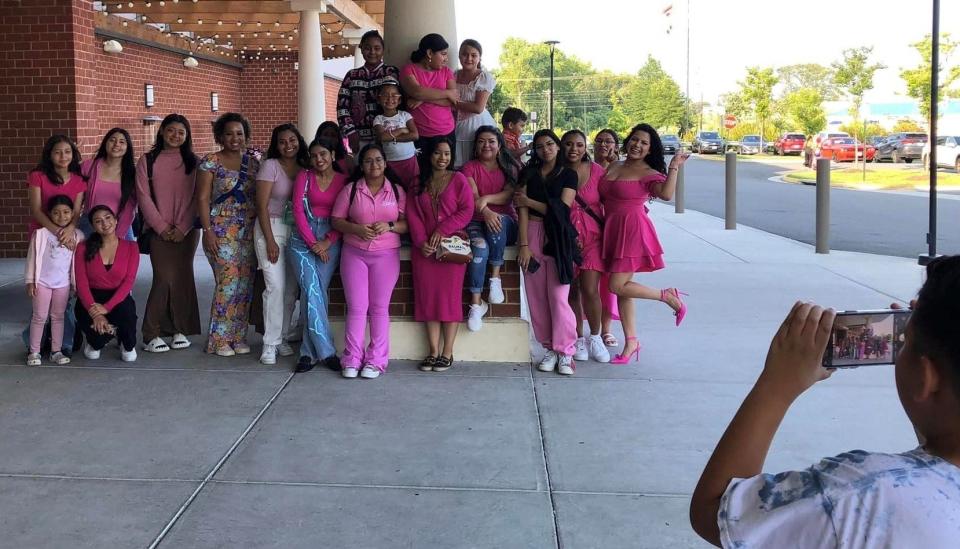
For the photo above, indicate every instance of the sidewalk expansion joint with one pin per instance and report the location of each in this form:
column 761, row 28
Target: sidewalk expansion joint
column 546, row 464
column 216, row 468
column 43, row 476
column 698, row 237
column 378, row 486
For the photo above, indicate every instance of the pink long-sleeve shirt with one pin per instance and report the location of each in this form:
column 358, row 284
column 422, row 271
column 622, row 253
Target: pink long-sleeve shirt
column 455, row 209
column 320, row 202
column 107, row 193
column 173, row 189
column 94, row 274
column 366, row 209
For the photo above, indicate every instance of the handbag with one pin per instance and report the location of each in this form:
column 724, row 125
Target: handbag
column 142, row 231
column 454, row 249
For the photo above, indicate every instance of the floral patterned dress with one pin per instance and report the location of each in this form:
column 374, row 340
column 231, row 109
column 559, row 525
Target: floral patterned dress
column 232, row 218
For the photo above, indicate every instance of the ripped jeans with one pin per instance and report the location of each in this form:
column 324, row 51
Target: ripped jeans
column 487, row 248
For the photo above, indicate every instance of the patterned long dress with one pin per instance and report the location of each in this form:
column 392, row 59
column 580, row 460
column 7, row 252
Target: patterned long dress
column 232, row 218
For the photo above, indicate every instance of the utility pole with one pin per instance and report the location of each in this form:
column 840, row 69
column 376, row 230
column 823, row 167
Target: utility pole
column 552, row 44
column 934, row 98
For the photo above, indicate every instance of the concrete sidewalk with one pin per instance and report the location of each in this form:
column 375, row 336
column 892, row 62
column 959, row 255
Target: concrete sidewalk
column 195, row 451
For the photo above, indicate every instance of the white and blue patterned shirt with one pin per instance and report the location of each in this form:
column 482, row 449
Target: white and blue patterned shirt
column 854, row 500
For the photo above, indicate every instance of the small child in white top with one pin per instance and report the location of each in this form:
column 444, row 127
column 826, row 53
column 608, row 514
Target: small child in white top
column 396, row 131
column 49, row 278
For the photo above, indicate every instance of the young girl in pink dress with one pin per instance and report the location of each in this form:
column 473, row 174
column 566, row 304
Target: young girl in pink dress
column 630, row 243
column 441, row 207
column 586, row 214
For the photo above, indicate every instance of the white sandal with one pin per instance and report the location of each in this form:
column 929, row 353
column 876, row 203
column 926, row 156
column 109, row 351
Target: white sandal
column 180, row 341
column 156, row 345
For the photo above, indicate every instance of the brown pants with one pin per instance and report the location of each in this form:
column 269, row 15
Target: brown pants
column 172, row 303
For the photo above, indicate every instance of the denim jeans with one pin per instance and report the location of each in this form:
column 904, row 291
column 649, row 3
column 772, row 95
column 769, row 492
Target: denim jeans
column 314, row 277
column 487, row 248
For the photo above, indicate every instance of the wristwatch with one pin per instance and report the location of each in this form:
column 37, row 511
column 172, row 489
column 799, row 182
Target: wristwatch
column 391, row 224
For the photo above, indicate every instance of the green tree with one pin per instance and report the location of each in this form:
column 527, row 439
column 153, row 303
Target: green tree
column 854, row 75
column 807, row 76
column 872, row 129
column 756, row 91
column 804, row 109
column 906, row 125
column 652, row 97
column 918, row 79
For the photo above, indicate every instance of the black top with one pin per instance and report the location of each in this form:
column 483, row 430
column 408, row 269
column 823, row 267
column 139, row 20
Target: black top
column 543, row 190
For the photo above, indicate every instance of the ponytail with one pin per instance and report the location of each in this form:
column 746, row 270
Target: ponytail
column 433, row 42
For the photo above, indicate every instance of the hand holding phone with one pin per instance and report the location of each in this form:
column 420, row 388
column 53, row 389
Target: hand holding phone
column 866, row 338
column 533, row 266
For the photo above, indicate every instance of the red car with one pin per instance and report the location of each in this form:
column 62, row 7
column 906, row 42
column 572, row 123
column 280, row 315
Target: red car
column 789, row 143
column 841, row 149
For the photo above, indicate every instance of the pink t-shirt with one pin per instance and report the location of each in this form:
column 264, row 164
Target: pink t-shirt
column 271, row 170
column 431, row 119
column 366, row 208
column 488, row 182
column 72, row 187
column 320, row 202
column 108, row 193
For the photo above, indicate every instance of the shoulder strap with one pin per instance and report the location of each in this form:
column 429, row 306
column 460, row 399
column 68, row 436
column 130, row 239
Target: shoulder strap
column 589, row 211
column 150, row 159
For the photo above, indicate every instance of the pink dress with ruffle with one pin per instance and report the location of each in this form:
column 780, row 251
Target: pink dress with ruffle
column 589, row 232
column 630, row 243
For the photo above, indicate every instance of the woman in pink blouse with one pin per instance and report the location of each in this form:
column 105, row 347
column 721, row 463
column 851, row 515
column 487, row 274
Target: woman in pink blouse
column 111, row 177
column 369, row 212
column 440, row 208
column 431, row 90
column 105, row 271
column 314, row 251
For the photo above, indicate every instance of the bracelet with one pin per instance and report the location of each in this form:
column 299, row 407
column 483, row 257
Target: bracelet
column 523, row 245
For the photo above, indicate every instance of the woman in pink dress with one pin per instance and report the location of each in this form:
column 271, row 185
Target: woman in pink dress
column 630, row 243
column 606, row 151
column 440, row 208
column 586, row 214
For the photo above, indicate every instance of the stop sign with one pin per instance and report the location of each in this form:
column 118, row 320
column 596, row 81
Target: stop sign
column 729, row 121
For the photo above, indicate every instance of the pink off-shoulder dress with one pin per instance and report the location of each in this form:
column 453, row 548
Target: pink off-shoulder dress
column 630, row 243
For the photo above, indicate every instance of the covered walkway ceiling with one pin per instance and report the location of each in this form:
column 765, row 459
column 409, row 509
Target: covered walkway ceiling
column 234, row 26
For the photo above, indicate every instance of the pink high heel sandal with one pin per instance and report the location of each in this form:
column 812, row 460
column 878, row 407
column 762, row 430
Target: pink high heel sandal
column 682, row 311
column 626, row 359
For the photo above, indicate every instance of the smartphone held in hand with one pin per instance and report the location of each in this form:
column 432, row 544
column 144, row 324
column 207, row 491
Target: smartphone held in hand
column 532, row 266
column 866, row 338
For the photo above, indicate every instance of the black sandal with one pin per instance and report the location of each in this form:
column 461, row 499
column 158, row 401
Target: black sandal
column 427, row 364
column 443, row 364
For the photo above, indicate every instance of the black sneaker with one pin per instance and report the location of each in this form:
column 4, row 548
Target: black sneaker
column 305, row 364
column 332, row 362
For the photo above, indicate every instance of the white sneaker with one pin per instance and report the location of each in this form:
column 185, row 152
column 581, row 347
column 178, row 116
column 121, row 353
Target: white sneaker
column 128, row 356
column 581, row 351
column 90, row 352
column 598, row 351
column 226, row 350
column 496, row 291
column 241, row 348
column 369, row 372
column 566, row 366
column 156, row 345
column 58, row 358
column 349, row 372
column 549, row 362
column 284, row 349
column 269, row 355
column 34, row 359
column 475, row 316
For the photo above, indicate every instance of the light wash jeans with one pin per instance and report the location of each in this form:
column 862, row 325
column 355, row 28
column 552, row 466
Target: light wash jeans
column 488, row 248
column 314, row 278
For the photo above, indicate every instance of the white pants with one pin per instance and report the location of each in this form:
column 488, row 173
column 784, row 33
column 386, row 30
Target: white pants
column 280, row 293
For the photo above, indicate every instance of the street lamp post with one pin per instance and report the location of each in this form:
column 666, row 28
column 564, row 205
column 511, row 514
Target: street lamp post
column 552, row 44
column 932, row 162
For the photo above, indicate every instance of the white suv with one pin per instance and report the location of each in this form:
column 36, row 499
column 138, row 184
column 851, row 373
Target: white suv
column 948, row 152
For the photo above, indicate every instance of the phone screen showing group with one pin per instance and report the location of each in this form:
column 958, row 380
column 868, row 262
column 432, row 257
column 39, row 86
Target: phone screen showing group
column 866, row 338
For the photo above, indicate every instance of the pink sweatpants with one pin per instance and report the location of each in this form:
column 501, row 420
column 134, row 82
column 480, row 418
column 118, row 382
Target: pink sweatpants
column 368, row 281
column 53, row 302
column 554, row 324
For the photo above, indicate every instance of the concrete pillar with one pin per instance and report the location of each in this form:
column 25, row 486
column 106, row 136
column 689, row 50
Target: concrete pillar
column 310, row 80
column 357, row 57
column 405, row 22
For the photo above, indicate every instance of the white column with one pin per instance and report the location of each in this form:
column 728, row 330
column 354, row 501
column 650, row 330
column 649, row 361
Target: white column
column 310, row 80
column 405, row 22
column 357, row 57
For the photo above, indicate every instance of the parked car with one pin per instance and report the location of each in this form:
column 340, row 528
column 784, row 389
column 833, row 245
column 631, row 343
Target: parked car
column 841, row 149
column 876, row 140
column 789, row 143
column 671, row 144
column 708, row 142
column 751, row 144
column 902, row 147
column 827, row 135
column 948, row 152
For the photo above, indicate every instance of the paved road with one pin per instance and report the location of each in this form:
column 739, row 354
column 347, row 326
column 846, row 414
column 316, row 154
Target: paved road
column 861, row 221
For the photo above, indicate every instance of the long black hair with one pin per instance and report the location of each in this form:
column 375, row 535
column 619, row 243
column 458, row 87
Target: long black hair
column 303, row 153
column 433, row 42
column 95, row 242
column 654, row 157
column 128, row 167
column 46, row 163
column 573, row 133
column 426, row 170
column 532, row 168
column 186, row 148
column 504, row 160
column 341, row 150
column 326, row 144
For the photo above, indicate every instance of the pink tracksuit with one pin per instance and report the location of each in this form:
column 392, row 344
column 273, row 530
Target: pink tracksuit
column 554, row 324
column 369, row 271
